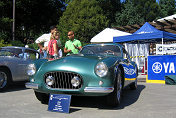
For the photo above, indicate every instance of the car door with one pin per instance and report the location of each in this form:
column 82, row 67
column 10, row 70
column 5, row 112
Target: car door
column 14, row 61
column 27, row 58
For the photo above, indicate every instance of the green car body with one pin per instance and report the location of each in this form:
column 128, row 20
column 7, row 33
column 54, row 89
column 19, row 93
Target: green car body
column 83, row 68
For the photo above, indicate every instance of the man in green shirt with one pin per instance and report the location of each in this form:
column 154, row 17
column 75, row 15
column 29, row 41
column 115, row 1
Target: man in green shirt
column 72, row 46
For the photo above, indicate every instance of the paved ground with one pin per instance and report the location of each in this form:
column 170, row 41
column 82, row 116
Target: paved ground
column 148, row 101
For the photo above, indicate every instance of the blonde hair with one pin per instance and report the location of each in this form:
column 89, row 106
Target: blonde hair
column 54, row 34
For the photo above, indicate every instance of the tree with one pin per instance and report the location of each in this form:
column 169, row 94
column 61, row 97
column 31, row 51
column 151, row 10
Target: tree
column 167, row 7
column 84, row 17
column 5, row 19
column 35, row 16
column 110, row 8
column 128, row 15
column 149, row 9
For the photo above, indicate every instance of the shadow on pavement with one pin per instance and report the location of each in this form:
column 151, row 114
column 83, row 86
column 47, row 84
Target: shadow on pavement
column 129, row 97
column 74, row 110
column 15, row 87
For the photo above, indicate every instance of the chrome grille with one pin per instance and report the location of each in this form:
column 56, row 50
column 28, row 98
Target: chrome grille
column 62, row 80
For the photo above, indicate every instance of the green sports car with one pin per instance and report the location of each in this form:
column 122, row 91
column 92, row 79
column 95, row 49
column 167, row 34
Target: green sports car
column 98, row 70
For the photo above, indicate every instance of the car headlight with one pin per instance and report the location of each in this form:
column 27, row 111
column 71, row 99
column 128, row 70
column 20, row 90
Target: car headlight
column 50, row 80
column 75, row 81
column 31, row 69
column 101, row 69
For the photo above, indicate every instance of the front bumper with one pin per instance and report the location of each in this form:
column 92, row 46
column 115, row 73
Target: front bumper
column 86, row 90
column 31, row 85
column 98, row 89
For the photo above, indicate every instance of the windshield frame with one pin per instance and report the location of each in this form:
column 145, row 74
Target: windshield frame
column 105, row 50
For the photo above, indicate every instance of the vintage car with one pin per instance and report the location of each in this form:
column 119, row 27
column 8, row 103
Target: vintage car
column 13, row 64
column 98, row 70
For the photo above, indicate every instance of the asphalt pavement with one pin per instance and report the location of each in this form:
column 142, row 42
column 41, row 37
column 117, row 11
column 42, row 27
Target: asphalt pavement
column 148, row 101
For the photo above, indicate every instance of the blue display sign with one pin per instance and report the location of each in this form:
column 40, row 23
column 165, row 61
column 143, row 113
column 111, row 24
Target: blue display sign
column 159, row 66
column 59, row 103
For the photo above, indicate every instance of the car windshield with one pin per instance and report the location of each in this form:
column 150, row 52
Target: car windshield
column 102, row 50
column 30, row 54
column 10, row 52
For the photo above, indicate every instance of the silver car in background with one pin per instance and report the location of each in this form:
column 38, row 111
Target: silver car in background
column 13, row 64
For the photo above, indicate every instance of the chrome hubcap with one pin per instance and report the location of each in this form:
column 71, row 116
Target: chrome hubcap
column 3, row 79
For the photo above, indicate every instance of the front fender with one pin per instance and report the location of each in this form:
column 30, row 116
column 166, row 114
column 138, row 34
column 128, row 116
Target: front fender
column 39, row 62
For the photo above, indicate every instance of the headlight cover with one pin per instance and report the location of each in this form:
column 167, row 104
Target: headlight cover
column 50, row 80
column 75, row 81
column 31, row 69
column 101, row 69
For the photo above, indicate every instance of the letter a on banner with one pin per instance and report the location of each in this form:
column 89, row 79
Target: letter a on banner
column 172, row 68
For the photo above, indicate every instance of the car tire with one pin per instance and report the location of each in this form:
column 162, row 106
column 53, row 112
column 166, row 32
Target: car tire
column 5, row 78
column 42, row 97
column 133, row 86
column 114, row 98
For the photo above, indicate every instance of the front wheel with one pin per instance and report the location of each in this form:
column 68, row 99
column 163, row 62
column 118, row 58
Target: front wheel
column 42, row 97
column 4, row 79
column 114, row 98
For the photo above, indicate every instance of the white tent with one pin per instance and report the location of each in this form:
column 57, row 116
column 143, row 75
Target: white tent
column 169, row 18
column 107, row 35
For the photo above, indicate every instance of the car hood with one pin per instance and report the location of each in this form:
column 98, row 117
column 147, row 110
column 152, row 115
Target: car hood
column 77, row 63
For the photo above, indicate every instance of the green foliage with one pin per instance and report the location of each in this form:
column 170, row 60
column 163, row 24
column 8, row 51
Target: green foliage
column 3, row 35
column 39, row 15
column 17, row 43
column 129, row 15
column 36, row 16
column 5, row 26
column 167, row 7
column 137, row 11
column 148, row 9
column 33, row 46
column 5, row 19
column 3, row 44
column 84, row 17
column 84, row 43
column 110, row 8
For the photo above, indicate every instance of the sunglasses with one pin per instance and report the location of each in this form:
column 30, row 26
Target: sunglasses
column 70, row 34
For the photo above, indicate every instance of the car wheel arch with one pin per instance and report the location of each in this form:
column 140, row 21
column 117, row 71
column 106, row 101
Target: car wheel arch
column 7, row 69
column 122, row 72
column 114, row 98
column 6, row 78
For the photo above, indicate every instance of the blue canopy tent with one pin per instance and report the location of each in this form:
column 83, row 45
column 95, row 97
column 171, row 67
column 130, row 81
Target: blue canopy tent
column 146, row 34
